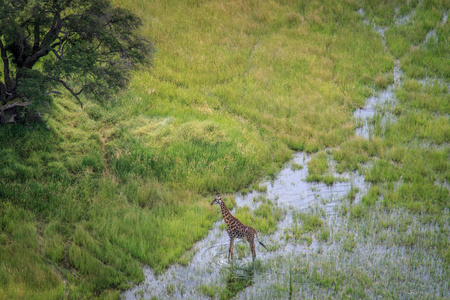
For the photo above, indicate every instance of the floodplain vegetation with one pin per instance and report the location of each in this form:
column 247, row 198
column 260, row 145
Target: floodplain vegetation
column 236, row 87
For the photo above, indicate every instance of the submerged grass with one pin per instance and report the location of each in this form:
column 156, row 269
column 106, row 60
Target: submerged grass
column 307, row 226
column 235, row 88
column 236, row 279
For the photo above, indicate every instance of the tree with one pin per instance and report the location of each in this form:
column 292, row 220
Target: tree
column 84, row 46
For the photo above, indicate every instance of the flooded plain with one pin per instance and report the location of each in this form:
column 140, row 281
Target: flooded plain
column 385, row 254
column 364, row 256
column 209, row 264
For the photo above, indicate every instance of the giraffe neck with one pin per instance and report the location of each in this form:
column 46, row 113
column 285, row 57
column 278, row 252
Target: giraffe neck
column 227, row 216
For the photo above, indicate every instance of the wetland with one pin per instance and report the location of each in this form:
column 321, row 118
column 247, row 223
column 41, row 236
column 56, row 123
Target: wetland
column 327, row 242
column 324, row 125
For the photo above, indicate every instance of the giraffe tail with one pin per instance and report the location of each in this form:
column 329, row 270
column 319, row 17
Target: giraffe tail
column 261, row 243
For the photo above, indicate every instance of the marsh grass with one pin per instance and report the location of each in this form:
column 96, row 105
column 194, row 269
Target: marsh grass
column 296, row 167
column 236, row 279
column 319, row 170
column 408, row 40
column 248, row 66
column 411, row 153
column 235, row 89
column 413, row 162
column 264, row 218
column 377, row 254
column 306, row 226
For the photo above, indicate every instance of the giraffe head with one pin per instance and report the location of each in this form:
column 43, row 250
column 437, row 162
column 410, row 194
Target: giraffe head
column 217, row 201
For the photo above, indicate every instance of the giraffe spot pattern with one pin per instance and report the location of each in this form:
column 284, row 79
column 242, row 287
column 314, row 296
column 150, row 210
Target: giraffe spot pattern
column 236, row 229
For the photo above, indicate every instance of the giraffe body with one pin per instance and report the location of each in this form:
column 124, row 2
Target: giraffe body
column 236, row 229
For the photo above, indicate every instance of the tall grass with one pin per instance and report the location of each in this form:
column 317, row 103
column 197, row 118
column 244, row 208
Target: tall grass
column 235, row 88
column 294, row 74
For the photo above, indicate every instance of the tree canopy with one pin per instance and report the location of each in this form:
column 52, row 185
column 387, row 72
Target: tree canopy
column 84, row 46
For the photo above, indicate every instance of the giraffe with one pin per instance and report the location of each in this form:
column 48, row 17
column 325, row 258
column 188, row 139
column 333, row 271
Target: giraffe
column 236, row 229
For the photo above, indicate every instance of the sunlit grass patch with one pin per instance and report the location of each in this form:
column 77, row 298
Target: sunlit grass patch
column 428, row 56
column 253, row 88
column 199, row 154
column 356, row 152
column 420, row 196
column 410, row 177
column 263, row 219
column 319, row 170
column 398, row 42
column 423, row 126
column 182, row 220
column 433, row 97
column 410, row 23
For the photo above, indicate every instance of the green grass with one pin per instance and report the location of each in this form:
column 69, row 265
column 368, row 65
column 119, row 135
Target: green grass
column 412, row 152
column 407, row 161
column 263, row 219
column 320, row 170
column 234, row 90
column 407, row 41
column 305, row 225
column 235, row 278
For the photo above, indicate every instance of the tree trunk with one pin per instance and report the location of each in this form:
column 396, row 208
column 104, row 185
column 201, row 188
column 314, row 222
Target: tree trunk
column 7, row 89
column 8, row 112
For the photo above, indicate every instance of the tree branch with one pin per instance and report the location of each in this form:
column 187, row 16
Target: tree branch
column 10, row 116
column 45, row 46
column 75, row 94
column 57, row 53
column 60, row 44
column 36, row 35
column 2, row 93
column 12, row 105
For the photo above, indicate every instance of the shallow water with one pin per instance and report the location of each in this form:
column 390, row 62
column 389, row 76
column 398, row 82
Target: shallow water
column 289, row 190
column 382, row 99
column 423, row 273
column 375, row 104
column 290, row 187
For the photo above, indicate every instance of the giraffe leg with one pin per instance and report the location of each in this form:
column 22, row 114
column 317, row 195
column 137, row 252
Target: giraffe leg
column 230, row 251
column 251, row 241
